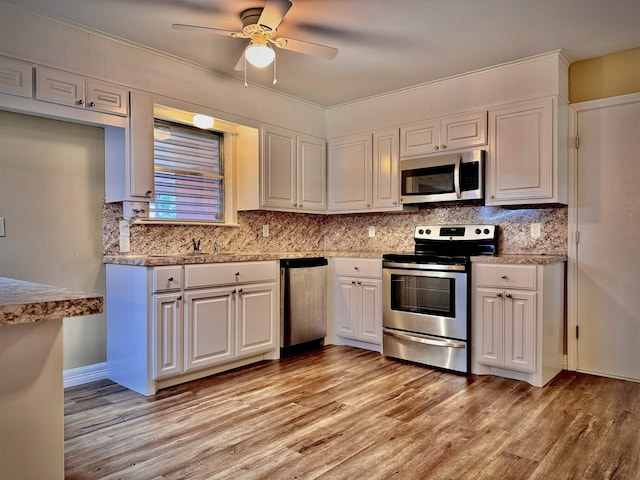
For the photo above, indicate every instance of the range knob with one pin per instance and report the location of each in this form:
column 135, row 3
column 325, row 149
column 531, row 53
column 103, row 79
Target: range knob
column 421, row 231
column 478, row 231
column 486, row 231
column 428, row 231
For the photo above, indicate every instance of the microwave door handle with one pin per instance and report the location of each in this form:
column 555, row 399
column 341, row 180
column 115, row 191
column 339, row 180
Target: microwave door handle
column 456, row 177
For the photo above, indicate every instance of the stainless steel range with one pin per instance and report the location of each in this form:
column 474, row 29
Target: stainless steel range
column 426, row 295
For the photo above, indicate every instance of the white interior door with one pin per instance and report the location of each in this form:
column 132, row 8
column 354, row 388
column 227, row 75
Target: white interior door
column 608, row 251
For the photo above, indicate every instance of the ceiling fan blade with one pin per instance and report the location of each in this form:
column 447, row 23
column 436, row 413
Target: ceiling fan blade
column 241, row 63
column 273, row 13
column 308, row 48
column 197, row 28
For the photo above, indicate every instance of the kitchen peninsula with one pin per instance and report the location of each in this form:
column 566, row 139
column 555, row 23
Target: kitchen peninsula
column 31, row 388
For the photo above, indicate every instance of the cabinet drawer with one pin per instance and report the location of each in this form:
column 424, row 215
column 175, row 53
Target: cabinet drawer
column 503, row 276
column 167, row 278
column 357, row 267
column 212, row 274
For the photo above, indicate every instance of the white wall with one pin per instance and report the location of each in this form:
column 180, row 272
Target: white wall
column 51, row 190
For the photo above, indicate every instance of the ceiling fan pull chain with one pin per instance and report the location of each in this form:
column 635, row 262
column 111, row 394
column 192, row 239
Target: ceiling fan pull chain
column 275, row 80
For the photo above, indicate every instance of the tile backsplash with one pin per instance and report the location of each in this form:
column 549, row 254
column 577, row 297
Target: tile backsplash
column 295, row 232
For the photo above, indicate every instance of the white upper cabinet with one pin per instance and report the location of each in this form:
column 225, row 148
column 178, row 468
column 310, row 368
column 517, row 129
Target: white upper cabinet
column 527, row 154
column 293, row 171
column 350, row 173
column 129, row 154
column 76, row 91
column 453, row 132
column 364, row 172
column 16, row 78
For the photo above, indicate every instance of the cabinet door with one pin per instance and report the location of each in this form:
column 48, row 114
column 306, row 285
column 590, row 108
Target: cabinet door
column 140, row 146
column 520, row 164
column 371, row 318
column 520, row 331
column 421, row 138
column 209, row 327
column 60, row 87
column 312, row 173
column 350, row 173
column 386, row 168
column 489, row 327
column 108, row 98
column 464, row 131
column 16, row 78
column 256, row 319
column 278, row 168
column 167, row 335
column 347, row 304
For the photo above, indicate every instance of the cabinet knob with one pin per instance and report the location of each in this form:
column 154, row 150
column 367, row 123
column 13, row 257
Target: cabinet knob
column 237, row 274
column 492, row 196
column 92, row 104
column 499, row 295
column 395, row 203
column 170, row 279
column 359, row 282
column 179, row 297
column 148, row 193
column 508, row 295
column 233, row 292
column 300, row 205
column 240, row 290
column 353, row 282
column 80, row 102
column 436, row 147
column 442, row 147
column 503, row 276
column 356, row 268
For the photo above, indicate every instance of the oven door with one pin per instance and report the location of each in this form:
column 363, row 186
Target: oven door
column 425, row 301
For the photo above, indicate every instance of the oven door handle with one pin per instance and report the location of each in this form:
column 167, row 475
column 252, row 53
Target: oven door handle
column 438, row 342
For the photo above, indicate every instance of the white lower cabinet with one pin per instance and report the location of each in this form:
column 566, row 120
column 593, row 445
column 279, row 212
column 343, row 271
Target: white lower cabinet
column 357, row 301
column 221, row 316
column 518, row 320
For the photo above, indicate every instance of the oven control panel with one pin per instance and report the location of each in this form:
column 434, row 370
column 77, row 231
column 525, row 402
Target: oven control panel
column 456, row 232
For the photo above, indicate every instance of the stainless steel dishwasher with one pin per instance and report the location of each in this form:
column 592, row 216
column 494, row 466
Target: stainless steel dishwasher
column 303, row 301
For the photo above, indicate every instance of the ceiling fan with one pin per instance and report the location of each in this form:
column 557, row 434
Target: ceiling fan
column 260, row 26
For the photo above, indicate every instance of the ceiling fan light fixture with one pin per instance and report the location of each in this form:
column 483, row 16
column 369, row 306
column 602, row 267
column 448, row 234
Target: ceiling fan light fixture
column 258, row 53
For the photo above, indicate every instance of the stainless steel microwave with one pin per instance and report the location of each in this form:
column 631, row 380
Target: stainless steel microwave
column 443, row 178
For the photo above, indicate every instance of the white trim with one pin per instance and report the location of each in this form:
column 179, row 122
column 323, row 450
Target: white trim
column 572, row 251
column 81, row 375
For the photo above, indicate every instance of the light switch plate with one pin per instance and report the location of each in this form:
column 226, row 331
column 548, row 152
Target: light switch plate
column 265, row 230
column 372, row 231
column 536, row 230
column 2, row 232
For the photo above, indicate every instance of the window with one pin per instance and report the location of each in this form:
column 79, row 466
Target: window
column 188, row 173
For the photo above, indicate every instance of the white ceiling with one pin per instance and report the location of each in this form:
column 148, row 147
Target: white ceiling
column 383, row 45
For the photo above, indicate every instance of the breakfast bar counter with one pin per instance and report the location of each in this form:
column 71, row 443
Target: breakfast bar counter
column 31, row 387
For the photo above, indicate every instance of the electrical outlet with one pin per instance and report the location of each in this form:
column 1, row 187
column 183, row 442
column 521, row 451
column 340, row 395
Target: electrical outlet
column 265, row 230
column 125, row 246
column 2, row 231
column 372, row 231
column 536, row 230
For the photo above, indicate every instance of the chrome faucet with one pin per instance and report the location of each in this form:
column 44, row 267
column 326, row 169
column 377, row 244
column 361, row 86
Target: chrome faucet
column 196, row 245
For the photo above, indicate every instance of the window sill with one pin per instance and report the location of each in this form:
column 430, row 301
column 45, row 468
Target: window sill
column 148, row 221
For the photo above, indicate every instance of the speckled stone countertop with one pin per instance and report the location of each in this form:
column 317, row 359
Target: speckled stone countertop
column 187, row 259
column 27, row 302
column 520, row 259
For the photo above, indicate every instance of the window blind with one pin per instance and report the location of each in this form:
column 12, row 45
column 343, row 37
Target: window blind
column 188, row 173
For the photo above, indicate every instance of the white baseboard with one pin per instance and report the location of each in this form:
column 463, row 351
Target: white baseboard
column 89, row 373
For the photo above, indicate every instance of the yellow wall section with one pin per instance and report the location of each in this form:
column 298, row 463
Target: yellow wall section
column 606, row 76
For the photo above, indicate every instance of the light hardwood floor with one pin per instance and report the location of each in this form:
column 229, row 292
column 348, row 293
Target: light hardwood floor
column 345, row 413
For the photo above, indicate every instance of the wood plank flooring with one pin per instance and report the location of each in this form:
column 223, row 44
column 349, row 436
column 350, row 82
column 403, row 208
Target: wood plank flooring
column 346, row 413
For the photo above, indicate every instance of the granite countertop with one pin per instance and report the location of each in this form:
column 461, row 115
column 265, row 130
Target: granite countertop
column 27, row 302
column 520, row 259
column 189, row 259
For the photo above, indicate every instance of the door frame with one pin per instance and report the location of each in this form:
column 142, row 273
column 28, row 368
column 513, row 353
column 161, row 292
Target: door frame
column 572, row 251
